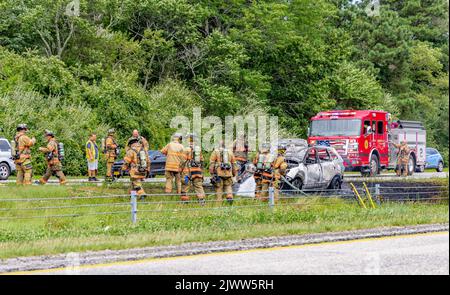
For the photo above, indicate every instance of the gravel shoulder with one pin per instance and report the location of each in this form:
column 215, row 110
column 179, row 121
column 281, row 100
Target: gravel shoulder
column 108, row 256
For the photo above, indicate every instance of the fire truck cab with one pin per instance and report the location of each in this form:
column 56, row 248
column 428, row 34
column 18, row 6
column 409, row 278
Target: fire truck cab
column 362, row 139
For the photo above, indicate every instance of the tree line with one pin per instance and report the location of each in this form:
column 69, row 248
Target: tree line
column 136, row 64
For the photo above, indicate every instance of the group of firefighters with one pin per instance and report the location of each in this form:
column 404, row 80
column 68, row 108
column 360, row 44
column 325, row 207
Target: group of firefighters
column 184, row 164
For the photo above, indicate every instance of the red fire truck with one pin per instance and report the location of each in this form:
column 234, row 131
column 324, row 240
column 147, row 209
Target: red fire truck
column 362, row 139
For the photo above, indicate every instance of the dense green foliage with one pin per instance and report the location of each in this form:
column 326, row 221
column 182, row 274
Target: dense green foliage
column 136, row 64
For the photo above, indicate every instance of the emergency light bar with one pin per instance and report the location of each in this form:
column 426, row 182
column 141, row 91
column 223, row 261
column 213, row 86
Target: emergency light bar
column 337, row 114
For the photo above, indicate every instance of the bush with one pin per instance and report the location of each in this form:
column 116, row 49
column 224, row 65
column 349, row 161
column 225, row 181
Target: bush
column 71, row 122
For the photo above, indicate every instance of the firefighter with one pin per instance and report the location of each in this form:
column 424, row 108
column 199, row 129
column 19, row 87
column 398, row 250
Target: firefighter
column 53, row 156
column 264, row 175
column 402, row 166
column 193, row 170
column 279, row 169
column 143, row 142
column 141, row 139
column 136, row 160
column 111, row 151
column 22, row 155
column 175, row 157
column 240, row 151
column 222, row 166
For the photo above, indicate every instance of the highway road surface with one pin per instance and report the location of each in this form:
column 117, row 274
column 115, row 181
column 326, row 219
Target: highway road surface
column 408, row 254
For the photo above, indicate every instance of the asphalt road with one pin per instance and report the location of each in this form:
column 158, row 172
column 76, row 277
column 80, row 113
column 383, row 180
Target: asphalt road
column 408, row 254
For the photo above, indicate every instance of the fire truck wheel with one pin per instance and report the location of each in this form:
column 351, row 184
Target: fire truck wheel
column 411, row 165
column 374, row 165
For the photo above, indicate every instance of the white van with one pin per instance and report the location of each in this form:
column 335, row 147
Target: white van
column 6, row 163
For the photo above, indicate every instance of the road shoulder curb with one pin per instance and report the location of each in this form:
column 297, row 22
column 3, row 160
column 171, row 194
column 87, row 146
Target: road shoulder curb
column 111, row 256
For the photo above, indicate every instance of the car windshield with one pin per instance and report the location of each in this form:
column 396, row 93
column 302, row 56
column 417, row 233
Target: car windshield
column 345, row 127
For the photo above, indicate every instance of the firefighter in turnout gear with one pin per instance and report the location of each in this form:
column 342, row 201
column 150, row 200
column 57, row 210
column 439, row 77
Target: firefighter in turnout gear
column 240, row 151
column 279, row 169
column 136, row 161
column 111, row 151
column 264, row 175
column 175, row 158
column 53, row 155
column 222, row 166
column 402, row 167
column 142, row 141
column 22, row 155
column 192, row 170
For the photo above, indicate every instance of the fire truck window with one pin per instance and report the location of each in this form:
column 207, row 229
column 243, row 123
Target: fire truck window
column 380, row 127
column 374, row 126
column 366, row 125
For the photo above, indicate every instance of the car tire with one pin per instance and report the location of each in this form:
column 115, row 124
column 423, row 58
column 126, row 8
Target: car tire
column 5, row 171
column 420, row 168
column 335, row 183
column 411, row 165
column 440, row 167
column 298, row 183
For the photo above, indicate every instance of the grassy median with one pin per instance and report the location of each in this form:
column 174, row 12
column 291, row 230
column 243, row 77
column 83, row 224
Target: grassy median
column 167, row 222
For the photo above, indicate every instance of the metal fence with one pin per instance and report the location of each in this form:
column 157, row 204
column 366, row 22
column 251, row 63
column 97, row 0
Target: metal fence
column 130, row 204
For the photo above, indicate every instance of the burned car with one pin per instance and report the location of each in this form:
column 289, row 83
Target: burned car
column 314, row 167
column 308, row 168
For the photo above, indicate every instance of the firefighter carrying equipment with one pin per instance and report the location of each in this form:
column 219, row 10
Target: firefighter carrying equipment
column 21, row 127
column 240, row 149
column 134, row 162
column 264, row 162
column 193, row 166
column 282, row 149
column 110, row 147
column 49, row 133
column 178, row 137
column 175, row 156
column 223, row 163
column 264, row 167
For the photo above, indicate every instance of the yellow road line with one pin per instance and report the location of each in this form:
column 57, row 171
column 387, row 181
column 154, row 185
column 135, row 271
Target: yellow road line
column 156, row 259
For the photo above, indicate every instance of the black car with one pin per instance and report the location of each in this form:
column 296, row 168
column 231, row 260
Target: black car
column 157, row 166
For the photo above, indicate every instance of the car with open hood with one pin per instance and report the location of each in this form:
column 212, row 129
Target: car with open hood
column 314, row 167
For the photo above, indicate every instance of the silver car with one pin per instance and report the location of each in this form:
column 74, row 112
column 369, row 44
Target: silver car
column 6, row 163
column 315, row 167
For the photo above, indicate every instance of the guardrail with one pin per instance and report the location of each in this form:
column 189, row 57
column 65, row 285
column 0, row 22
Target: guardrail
column 366, row 197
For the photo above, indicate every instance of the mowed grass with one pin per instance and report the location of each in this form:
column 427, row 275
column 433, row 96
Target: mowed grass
column 168, row 223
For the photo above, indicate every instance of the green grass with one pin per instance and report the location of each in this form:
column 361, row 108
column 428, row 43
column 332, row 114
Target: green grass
column 175, row 226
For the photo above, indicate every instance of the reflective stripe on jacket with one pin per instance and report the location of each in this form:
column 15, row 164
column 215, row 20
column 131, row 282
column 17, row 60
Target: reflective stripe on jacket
column 175, row 156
